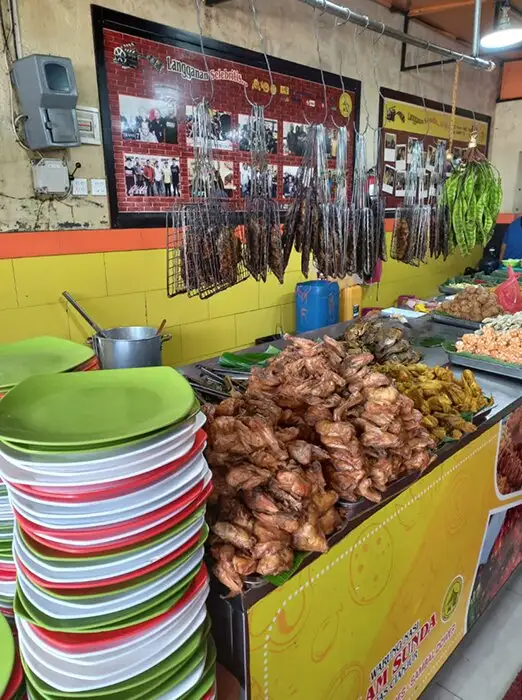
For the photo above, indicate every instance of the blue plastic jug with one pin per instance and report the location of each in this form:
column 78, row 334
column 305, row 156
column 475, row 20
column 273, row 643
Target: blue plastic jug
column 316, row 304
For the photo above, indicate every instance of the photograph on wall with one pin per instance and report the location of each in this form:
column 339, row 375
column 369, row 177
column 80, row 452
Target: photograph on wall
column 243, row 134
column 412, row 118
column 222, row 131
column 430, row 158
column 160, row 74
column 400, row 183
column 388, row 179
column 290, row 180
column 148, row 121
column 390, row 144
column 400, row 156
column 412, row 140
column 294, row 139
column 245, row 179
column 151, row 176
column 223, row 178
column 500, row 556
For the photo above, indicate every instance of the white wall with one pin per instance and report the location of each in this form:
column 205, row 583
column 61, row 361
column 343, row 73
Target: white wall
column 63, row 27
column 506, row 152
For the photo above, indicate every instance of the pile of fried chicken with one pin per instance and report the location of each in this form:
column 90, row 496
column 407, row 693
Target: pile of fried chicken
column 316, row 425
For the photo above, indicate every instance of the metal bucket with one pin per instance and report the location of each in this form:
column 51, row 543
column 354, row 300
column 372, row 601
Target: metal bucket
column 129, row 346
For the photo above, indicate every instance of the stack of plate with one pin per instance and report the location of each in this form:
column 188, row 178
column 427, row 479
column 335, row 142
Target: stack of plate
column 108, row 483
column 18, row 361
column 43, row 355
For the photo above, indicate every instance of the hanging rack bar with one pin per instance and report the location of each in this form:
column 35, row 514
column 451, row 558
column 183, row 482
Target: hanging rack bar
column 476, row 28
column 348, row 15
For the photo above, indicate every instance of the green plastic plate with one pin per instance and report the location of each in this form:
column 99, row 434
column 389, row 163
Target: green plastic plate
column 87, row 451
column 103, row 623
column 89, row 408
column 45, row 355
column 150, row 684
column 127, row 586
column 8, row 654
column 47, row 554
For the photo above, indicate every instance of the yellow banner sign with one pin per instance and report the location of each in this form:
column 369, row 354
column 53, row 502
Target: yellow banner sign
column 402, row 116
column 377, row 615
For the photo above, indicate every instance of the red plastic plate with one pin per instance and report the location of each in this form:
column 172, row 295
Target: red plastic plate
column 108, row 583
column 16, row 678
column 84, row 642
column 81, row 494
column 34, row 531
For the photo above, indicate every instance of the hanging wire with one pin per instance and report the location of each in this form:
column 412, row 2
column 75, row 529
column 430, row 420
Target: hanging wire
column 319, row 59
column 421, row 90
column 205, row 62
column 262, row 41
column 442, row 85
column 355, row 35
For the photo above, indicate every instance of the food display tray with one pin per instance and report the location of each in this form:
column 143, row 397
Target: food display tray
column 448, row 289
column 483, row 365
column 454, row 321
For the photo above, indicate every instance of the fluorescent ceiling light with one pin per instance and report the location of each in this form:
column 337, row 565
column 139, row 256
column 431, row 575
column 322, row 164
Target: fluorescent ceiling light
column 504, row 35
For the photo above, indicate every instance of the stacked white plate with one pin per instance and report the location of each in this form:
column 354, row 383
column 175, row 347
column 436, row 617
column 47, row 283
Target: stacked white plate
column 111, row 585
column 7, row 566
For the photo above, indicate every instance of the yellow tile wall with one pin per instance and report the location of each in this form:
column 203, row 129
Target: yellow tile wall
column 128, row 288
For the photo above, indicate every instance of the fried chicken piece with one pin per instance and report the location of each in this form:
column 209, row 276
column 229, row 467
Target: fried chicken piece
column 379, row 438
column 245, row 566
column 287, row 434
column 224, row 569
column 229, row 407
column 301, row 451
column 260, row 502
column 309, row 537
column 324, row 500
column 314, row 414
column 264, row 407
column 233, row 534
column 247, row 476
column 375, row 379
column 335, row 434
column 365, row 488
column 343, row 482
column 262, row 549
column 293, row 481
column 330, row 521
column 237, row 513
column 265, row 459
column 418, row 461
column 264, row 533
column 316, row 476
column 272, row 564
column 335, row 346
column 355, row 399
column 220, row 484
column 288, row 501
column 282, row 521
column 262, row 435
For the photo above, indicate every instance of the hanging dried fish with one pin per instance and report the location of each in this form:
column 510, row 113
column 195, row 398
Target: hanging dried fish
column 440, row 222
column 340, row 209
column 411, row 231
column 209, row 257
column 361, row 241
column 263, row 242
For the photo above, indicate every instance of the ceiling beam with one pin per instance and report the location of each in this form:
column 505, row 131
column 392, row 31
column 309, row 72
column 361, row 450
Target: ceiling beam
column 439, row 7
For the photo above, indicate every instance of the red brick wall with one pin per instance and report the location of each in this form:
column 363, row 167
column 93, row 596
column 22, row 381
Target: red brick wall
column 228, row 97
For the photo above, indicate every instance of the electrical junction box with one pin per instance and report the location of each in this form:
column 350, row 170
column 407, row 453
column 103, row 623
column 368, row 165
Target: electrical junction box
column 50, row 176
column 47, row 93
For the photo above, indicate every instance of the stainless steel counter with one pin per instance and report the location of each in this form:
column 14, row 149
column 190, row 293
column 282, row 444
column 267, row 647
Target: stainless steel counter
column 506, row 392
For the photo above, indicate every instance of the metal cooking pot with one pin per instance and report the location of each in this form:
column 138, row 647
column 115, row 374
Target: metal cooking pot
column 129, row 346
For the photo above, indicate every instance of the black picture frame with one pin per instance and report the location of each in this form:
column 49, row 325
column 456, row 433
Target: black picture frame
column 390, row 94
column 103, row 18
